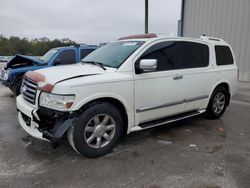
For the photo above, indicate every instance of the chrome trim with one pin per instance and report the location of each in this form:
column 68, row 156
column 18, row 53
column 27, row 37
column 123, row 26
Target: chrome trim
column 195, row 98
column 171, row 104
column 30, row 90
column 28, row 83
column 148, row 65
column 160, row 106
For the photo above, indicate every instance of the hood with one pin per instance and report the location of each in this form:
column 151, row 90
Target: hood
column 22, row 61
column 53, row 75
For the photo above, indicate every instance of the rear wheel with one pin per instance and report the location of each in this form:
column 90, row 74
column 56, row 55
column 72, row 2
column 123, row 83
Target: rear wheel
column 97, row 130
column 217, row 104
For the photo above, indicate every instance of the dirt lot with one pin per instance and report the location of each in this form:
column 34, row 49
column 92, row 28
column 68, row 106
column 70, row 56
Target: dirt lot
column 194, row 153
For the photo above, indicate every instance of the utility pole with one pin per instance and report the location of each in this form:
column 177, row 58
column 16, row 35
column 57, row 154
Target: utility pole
column 146, row 16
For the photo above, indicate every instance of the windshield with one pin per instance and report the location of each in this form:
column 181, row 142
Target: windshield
column 47, row 57
column 114, row 54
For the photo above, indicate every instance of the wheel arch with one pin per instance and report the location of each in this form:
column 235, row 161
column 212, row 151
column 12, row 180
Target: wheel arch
column 121, row 106
column 224, row 84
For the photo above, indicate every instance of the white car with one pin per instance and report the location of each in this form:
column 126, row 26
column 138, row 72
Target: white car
column 132, row 84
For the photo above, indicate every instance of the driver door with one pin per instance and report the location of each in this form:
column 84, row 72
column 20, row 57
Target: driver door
column 158, row 93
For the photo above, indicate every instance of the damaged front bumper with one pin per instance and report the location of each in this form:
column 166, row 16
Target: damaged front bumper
column 42, row 123
column 3, row 77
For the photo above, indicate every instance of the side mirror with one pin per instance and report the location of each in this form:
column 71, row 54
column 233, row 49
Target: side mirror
column 148, row 65
column 57, row 62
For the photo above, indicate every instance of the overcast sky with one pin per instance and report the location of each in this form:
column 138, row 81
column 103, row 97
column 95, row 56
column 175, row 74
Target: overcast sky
column 89, row 21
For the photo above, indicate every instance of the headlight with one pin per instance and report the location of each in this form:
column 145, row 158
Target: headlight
column 5, row 74
column 56, row 102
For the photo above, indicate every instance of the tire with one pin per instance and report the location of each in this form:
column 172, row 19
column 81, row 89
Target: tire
column 17, row 86
column 97, row 130
column 216, row 108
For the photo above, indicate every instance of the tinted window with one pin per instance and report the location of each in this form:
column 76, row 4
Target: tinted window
column 165, row 53
column 193, row 55
column 85, row 52
column 67, row 57
column 223, row 55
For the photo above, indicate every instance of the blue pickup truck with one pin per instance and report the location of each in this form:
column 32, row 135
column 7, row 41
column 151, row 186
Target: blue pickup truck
column 12, row 73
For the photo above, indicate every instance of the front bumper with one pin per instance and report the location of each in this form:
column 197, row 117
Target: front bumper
column 2, row 77
column 25, row 114
column 44, row 124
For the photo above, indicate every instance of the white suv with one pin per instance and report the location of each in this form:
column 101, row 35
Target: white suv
column 132, row 84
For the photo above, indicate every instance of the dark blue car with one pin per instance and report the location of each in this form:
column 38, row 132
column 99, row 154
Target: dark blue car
column 12, row 73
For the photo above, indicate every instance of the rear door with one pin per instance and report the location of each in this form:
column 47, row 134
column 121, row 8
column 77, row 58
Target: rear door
column 197, row 74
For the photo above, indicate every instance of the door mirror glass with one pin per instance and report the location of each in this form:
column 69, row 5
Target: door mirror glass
column 148, row 65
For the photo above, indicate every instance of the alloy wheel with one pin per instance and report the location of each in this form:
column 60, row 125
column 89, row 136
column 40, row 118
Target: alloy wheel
column 99, row 131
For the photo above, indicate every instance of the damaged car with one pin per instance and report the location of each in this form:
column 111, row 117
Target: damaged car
column 129, row 85
column 12, row 73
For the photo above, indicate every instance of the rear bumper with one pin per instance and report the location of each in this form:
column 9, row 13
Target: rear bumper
column 39, row 124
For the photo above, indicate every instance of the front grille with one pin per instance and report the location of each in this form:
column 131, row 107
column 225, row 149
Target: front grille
column 28, row 90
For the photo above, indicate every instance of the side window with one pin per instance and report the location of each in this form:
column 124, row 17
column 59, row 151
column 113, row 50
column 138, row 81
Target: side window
column 223, row 55
column 165, row 53
column 193, row 55
column 66, row 57
column 85, row 52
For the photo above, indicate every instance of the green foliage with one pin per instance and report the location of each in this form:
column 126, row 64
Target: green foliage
column 36, row 47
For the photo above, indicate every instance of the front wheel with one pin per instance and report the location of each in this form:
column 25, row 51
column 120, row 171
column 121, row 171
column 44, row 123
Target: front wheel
column 97, row 130
column 217, row 104
column 17, row 87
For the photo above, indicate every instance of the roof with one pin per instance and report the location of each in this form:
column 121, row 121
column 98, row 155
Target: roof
column 82, row 46
column 152, row 37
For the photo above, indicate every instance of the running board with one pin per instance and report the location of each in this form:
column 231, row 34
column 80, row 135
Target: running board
column 167, row 120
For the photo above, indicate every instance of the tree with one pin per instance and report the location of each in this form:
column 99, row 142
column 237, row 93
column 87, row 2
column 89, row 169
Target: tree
column 35, row 47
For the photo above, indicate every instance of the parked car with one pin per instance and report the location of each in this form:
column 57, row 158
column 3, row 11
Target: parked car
column 129, row 85
column 12, row 73
column 4, row 58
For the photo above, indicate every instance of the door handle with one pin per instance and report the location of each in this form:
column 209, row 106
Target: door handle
column 178, row 77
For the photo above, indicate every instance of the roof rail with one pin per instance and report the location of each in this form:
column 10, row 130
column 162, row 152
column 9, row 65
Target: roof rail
column 140, row 36
column 204, row 37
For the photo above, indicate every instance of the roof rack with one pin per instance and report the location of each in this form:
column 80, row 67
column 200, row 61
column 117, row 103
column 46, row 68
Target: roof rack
column 204, row 37
column 140, row 36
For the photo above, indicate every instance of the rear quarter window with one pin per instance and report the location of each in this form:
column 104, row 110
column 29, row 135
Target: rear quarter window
column 224, row 55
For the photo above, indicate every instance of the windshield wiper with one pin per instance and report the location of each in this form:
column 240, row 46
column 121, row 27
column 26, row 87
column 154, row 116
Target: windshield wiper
column 95, row 63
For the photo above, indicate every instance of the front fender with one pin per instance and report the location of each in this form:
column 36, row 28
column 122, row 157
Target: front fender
column 100, row 96
column 128, row 108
